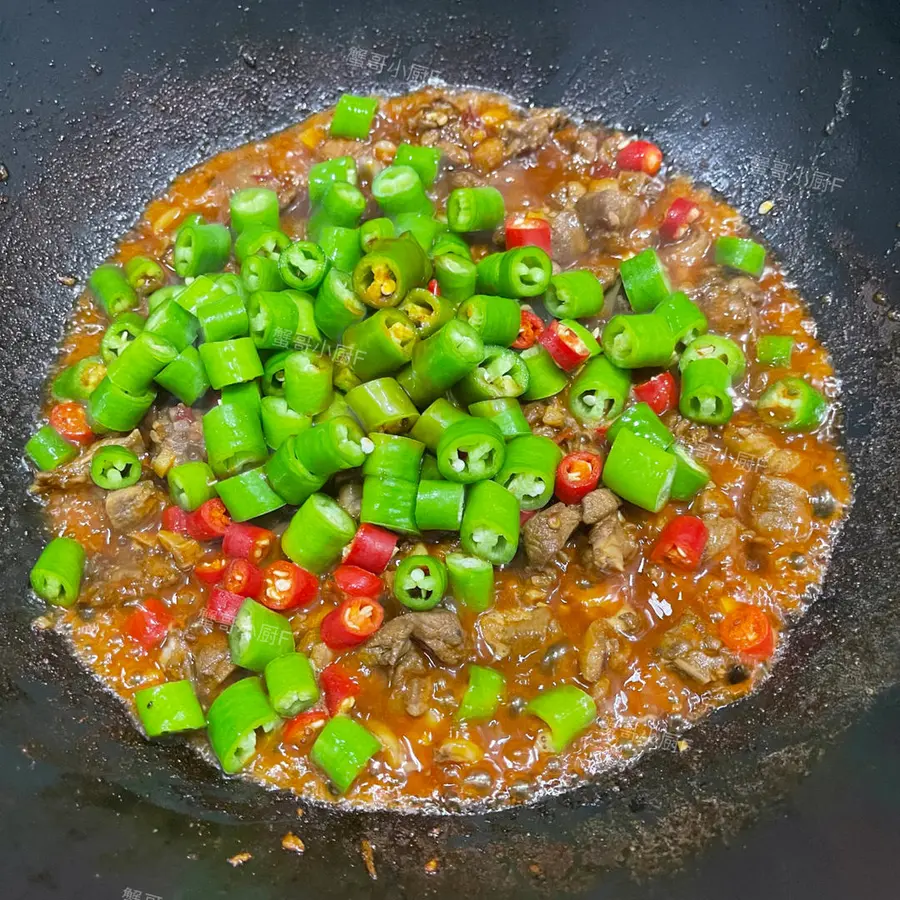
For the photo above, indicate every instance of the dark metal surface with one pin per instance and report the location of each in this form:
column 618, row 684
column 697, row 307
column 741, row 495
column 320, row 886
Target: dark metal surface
column 103, row 105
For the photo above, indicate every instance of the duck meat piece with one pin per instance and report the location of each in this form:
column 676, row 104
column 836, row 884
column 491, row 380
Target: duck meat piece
column 601, row 649
column 611, row 545
column 212, row 664
column 598, row 504
column 692, row 651
column 519, row 631
column 780, row 509
column 78, row 471
column 437, row 630
column 185, row 551
column 609, row 210
column 176, row 437
column 533, row 131
column 547, row 532
column 723, row 532
column 409, row 681
column 129, row 507
column 567, row 237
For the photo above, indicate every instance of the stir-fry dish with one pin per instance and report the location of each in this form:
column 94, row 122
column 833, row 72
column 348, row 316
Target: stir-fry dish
column 435, row 453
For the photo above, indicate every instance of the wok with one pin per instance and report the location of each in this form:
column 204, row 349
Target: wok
column 104, row 103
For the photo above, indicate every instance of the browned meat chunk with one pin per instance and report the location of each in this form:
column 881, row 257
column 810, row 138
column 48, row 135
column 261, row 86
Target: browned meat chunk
column 689, row 649
column 212, row 663
column 409, row 680
column 546, row 533
column 780, row 509
column 132, row 506
column 601, row 649
column 519, row 631
column 176, row 436
column 435, row 115
column 730, row 304
column 690, row 251
column 598, row 505
column 715, row 502
column 79, row 470
column 611, row 209
column 754, row 448
column 723, row 532
column 438, row 630
column 611, row 545
column 185, row 551
column 532, row 132
column 567, row 237
column 321, row 655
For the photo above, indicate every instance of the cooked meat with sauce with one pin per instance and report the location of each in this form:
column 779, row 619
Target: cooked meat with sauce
column 371, row 536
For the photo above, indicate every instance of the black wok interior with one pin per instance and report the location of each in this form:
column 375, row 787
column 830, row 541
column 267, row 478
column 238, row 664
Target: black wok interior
column 102, row 104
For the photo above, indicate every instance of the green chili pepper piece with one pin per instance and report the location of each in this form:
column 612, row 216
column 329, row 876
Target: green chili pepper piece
column 685, row 319
column 273, row 319
column 741, row 254
column 439, row 505
column 223, row 317
column 112, row 290
column 425, row 160
column 191, row 484
column 520, row 272
column 774, row 350
column 567, row 710
column 163, row 295
column 291, row 683
column 496, row 319
column 475, row 209
column 353, row 117
column 288, row 476
column 141, row 361
column 529, row 470
column 422, row 226
column 441, row 361
column 420, row 582
column 245, row 394
column 690, row 477
column 120, row 333
column 49, row 450
column 80, row 380
column 145, row 275
column 323, row 174
column 484, row 694
column 230, row 362
column 793, row 405
column 56, row 576
column 260, row 241
column 429, row 470
column 248, row 495
column 374, row 230
column 394, row 456
column 506, row 413
column 115, row 467
column 332, row 446
column 389, row 503
column 258, row 635
column 234, row 440
column 308, row 385
column 545, row 378
column 342, row 750
column 254, row 208
column 185, row 377
column 169, row 708
column 279, row 421
column 490, row 526
column 318, row 533
column 341, row 246
column 382, row 405
column 112, row 409
column 501, row 373
column 303, row 265
column 645, row 280
column 172, row 322
column 457, row 276
column 201, row 248
column 197, row 292
column 381, row 344
column 642, row 421
column 714, row 346
column 705, row 395
column 471, row 580
column 639, row 471
column 638, row 341
column 390, row 270
column 471, row 450
column 234, row 718
column 398, row 189
column 434, row 421
column 337, row 307
column 576, row 294
column 426, row 311
column 259, row 273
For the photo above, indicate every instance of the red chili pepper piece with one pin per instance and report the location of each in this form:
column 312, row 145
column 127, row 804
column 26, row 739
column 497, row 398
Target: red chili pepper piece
column 659, row 393
column 530, row 330
column 339, row 688
column 527, row 230
column 434, row 287
column 357, row 582
column 210, row 571
column 247, row 542
column 149, row 623
column 70, row 420
column 302, row 728
column 681, row 214
column 748, row 630
column 208, row 521
column 241, row 577
column 371, row 548
column 681, row 543
column 355, row 620
column 640, row 156
column 287, row 586
column 567, row 349
column 174, row 518
column 222, row 606
column 577, row 475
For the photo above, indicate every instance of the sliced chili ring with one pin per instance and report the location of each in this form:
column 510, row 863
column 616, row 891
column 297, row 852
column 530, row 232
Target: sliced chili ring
column 354, row 621
column 528, row 230
column 371, row 548
column 304, row 727
column 242, row 541
column 681, row 214
column 241, row 577
column 70, row 420
column 210, row 571
column 566, row 347
column 681, row 543
column 530, row 330
column 208, row 521
column 357, row 582
column 286, row 585
column 659, row 393
column 149, row 623
column 339, row 688
column 747, row 629
column 577, row 475
column 640, row 156
column 174, row 518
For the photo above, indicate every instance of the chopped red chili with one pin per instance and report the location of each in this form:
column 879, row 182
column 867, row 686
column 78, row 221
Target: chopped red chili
column 530, row 330
column 681, row 214
column 355, row 620
column 222, row 605
column 748, row 630
column 660, row 393
column 70, row 420
column 577, row 475
column 357, row 582
column 434, row 287
column 339, row 688
column 302, row 728
column 210, row 571
column 527, row 230
column 209, row 521
column 149, row 623
column 247, row 542
column 241, row 577
column 371, row 548
column 640, row 156
column 174, row 518
column 567, row 349
column 681, row 543
column 287, row 586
